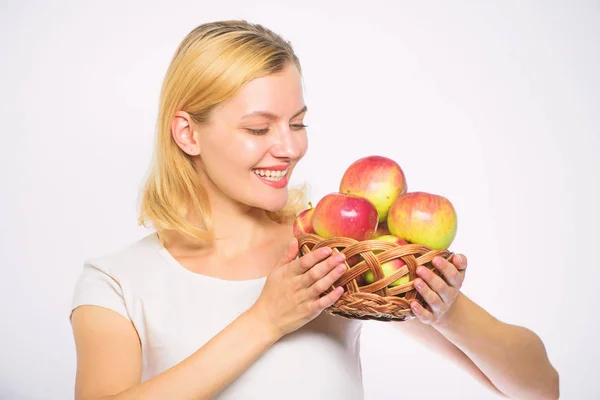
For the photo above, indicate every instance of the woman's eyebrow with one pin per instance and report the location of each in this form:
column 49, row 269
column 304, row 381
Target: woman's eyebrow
column 271, row 115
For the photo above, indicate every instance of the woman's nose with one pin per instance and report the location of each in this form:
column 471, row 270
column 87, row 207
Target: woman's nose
column 286, row 145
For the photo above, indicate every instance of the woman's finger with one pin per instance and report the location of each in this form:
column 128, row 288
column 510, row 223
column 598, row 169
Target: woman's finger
column 307, row 261
column 460, row 262
column 328, row 280
column 327, row 300
column 320, row 270
column 437, row 284
column 449, row 271
column 423, row 314
column 431, row 297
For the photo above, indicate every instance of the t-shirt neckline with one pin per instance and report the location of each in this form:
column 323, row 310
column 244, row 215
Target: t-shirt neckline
column 155, row 242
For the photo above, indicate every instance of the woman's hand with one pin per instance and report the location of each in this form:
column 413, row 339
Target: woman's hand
column 291, row 296
column 439, row 294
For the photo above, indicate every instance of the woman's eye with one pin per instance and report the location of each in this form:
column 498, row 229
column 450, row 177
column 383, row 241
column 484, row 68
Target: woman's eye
column 258, row 131
column 263, row 131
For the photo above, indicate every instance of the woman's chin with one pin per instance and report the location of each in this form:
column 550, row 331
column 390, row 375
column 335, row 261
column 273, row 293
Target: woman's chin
column 273, row 204
column 273, row 207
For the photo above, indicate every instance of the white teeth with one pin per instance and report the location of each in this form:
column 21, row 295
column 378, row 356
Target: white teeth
column 271, row 175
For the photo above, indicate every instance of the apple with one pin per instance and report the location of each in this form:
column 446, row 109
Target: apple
column 352, row 261
column 377, row 178
column 360, row 280
column 338, row 214
column 392, row 239
column 382, row 229
column 303, row 222
column 388, row 269
column 423, row 218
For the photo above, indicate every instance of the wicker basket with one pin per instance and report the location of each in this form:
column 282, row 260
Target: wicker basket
column 376, row 301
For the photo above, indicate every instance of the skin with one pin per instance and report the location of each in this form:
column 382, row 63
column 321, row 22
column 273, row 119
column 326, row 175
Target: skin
column 248, row 245
column 227, row 150
column 510, row 360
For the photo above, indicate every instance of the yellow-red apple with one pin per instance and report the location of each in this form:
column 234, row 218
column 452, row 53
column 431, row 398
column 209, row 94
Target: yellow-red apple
column 392, row 239
column 388, row 269
column 338, row 214
column 423, row 218
column 303, row 222
column 377, row 178
column 382, row 230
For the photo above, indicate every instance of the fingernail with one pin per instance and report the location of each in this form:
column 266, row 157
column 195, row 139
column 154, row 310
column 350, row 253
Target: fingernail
column 421, row 270
column 419, row 285
column 437, row 262
column 340, row 257
column 341, row 268
column 415, row 306
column 326, row 251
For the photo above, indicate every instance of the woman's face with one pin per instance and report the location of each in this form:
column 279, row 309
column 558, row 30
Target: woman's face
column 251, row 145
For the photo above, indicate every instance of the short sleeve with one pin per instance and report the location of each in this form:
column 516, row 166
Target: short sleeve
column 97, row 286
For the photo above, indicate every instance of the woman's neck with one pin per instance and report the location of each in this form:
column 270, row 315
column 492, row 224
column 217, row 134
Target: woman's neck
column 234, row 233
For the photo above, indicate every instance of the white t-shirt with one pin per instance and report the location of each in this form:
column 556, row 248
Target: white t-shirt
column 176, row 311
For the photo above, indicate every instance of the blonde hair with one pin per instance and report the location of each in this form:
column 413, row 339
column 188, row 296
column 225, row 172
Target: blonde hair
column 209, row 67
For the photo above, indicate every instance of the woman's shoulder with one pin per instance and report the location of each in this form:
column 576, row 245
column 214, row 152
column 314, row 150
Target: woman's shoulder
column 126, row 257
column 106, row 279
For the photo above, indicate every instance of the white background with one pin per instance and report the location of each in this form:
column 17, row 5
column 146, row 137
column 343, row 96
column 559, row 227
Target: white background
column 494, row 105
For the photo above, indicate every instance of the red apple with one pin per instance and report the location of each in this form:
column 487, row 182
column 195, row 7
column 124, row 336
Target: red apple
column 303, row 222
column 379, row 179
column 423, row 218
column 360, row 280
column 355, row 259
column 338, row 214
column 352, row 261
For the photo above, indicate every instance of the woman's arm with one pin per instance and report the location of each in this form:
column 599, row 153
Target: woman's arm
column 109, row 358
column 109, row 353
column 513, row 357
column 506, row 358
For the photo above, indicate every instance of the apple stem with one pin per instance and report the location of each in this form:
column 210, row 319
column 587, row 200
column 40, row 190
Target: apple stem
column 310, row 204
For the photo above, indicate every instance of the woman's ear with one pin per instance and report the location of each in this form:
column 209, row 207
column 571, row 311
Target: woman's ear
column 184, row 134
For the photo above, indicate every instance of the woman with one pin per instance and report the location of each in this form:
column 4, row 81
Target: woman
column 216, row 303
